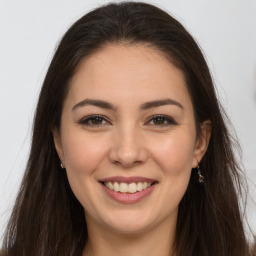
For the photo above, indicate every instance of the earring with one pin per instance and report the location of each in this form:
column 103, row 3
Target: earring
column 200, row 176
column 61, row 165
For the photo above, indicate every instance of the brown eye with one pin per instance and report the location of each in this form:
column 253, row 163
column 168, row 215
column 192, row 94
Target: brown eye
column 94, row 120
column 161, row 120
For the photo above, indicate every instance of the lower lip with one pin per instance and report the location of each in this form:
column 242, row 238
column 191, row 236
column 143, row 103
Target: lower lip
column 128, row 198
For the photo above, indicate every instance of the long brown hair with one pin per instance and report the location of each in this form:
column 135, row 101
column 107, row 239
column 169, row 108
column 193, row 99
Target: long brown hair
column 48, row 219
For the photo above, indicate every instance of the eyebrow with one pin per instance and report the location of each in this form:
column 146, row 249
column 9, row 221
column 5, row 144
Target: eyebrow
column 97, row 103
column 144, row 106
column 158, row 103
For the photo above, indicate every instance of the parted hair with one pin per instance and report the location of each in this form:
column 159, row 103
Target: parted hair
column 47, row 219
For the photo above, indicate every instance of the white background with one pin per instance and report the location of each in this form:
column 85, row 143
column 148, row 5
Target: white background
column 30, row 30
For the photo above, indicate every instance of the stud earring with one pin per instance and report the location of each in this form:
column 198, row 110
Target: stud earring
column 200, row 176
column 61, row 165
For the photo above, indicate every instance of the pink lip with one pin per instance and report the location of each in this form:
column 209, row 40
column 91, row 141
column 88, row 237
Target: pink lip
column 127, row 198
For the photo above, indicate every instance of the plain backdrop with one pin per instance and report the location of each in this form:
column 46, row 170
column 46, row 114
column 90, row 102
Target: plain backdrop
column 30, row 30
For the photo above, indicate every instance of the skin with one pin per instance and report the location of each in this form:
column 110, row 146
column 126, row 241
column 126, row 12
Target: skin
column 127, row 142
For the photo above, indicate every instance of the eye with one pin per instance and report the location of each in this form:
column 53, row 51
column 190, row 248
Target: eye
column 161, row 120
column 94, row 120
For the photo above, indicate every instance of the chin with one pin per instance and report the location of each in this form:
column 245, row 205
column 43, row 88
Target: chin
column 130, row 223
column 130, row 228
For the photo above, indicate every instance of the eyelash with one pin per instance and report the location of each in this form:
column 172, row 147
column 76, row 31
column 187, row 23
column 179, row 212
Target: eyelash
column 87, row 121
column 168, row 121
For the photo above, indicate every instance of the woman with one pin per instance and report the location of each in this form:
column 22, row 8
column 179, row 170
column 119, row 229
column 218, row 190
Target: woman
column 130, row 153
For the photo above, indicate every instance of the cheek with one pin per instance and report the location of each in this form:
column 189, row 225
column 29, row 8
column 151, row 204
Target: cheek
column 83, row 153
column 174, row 157
column 174, row 154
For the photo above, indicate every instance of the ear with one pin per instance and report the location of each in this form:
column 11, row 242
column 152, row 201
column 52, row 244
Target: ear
column 202, row 142
column 58, row 145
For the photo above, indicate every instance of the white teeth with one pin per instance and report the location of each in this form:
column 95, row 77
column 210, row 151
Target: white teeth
column 127, row 188
column 139, row 186
column 144, row 185
column 116, row 187
column 132, row 188
column 109, row 185
column 123, row 187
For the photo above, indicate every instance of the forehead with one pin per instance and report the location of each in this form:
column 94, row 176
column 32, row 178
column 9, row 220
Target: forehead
column 128, row 73
column 128, row 58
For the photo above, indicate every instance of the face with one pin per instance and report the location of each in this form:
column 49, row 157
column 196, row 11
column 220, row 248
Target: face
column 128, row 139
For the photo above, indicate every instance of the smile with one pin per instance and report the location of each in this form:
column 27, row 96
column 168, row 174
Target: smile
column 128, row 190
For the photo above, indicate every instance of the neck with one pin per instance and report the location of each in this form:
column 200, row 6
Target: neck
column 156, row 241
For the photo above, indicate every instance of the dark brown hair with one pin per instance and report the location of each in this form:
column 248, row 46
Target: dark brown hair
column 253, row 248
column 47, row 218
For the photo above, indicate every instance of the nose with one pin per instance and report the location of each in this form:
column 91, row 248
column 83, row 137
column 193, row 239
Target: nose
column 128, row 149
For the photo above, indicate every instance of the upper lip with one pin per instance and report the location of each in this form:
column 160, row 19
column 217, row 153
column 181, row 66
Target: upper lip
column 128, row 180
